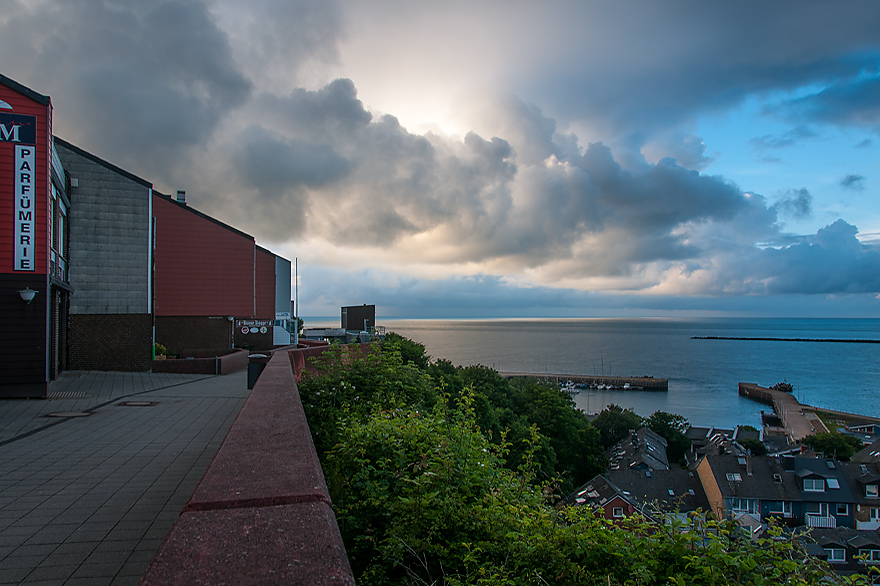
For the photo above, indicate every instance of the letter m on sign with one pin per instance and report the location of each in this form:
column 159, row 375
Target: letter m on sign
column 9, row 134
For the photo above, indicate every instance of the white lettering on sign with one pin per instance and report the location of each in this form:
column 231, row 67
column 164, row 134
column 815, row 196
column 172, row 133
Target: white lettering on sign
column 25, row 205
column 9, row 134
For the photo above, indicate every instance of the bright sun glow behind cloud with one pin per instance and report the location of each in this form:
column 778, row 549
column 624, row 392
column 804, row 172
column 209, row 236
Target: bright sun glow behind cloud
column 554, row 157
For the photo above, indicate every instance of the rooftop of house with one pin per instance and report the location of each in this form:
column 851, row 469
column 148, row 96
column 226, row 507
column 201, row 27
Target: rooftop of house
column 596, row 493
column 782, row 478
column 642, row 449
column 667, row 490
column 869, row 454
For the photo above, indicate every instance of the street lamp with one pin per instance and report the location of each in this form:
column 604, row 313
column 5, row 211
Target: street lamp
column 27, row 294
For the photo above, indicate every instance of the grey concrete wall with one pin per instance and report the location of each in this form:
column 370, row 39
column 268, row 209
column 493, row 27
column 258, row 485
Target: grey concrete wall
column 110, row 225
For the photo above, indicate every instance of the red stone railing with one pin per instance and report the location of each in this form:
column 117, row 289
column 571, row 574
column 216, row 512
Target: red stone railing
column 261, row 514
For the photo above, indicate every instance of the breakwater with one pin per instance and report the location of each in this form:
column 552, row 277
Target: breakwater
column 773, row 339
column 632, row 383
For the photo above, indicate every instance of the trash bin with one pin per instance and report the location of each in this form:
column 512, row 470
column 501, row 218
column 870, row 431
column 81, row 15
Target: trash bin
column 256, row 364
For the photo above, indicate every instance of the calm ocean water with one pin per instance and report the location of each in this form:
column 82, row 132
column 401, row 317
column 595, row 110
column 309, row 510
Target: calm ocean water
column 702, row 374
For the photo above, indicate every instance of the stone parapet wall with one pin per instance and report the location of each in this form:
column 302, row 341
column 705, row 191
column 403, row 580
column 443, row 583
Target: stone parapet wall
column 261, row 514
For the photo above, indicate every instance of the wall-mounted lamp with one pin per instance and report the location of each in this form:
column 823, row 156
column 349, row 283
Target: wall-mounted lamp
column 27, row 294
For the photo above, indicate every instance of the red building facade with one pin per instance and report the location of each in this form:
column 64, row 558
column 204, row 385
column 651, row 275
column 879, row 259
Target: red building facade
column 208, row 277
column 33, row 205
column 96, row 266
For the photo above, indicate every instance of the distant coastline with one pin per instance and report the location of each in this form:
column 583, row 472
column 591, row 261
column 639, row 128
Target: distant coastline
column 833, row 340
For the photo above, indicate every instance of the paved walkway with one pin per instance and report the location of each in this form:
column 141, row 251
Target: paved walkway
column 92, row 479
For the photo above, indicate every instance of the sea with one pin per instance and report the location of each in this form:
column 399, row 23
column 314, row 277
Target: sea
column 703, row 374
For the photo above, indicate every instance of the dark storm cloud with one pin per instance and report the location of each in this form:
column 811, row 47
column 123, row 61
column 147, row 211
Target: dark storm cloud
column 331, row 110
column 158, row 74
column 854, row 182
column 275, row 165
column 682, row 64
column 848, row 102
column 222, row 98
column 831, row 262
column 371, row 182
column 275, row 40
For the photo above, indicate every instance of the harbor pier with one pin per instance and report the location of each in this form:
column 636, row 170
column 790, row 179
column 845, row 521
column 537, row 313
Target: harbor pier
column 633, row 383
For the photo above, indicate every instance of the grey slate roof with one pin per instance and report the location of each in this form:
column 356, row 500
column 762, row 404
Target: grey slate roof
column 868, row 455
column 858, row 475
column 780, row 479
column 670, row 490
column 642, row 449
column 758, row 478
column 826, row 469
column 595, row 493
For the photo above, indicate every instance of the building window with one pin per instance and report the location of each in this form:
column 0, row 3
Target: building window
column 814, row 485
column 744, row 505
column 871, row 491
column 872, row 556
column 617, row 512
column 734, row 477
column 833, row 483
column 875, row 514
column 836, row 554
column 842, row 509
column 779, row 508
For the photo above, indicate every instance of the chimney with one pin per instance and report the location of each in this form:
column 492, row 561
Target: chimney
column 181, row 196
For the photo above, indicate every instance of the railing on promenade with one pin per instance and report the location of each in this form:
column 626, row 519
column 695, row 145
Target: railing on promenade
column 261, row 514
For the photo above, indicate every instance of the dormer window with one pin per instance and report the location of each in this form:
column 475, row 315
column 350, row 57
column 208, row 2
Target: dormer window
column 871, row 491
column 814, row 485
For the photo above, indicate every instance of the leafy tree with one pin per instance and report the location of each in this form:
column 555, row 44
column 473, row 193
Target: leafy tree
column 411, row 352
column 573, row 443
column 834, row 445
column 671, row 427
column 424, row 497
column 615, row 422
column 755, row 447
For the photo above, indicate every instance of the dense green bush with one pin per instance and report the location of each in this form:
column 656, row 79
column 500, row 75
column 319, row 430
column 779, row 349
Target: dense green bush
column 445, row 476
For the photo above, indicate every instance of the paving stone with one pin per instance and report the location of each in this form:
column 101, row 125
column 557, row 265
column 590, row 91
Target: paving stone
column 100, row 493
column 43, row 573
column 21, row 561
column 14, row 575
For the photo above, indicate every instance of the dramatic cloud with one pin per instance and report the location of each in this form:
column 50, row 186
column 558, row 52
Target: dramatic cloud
column 151, row 73
column 851, row 102
column 520, row 158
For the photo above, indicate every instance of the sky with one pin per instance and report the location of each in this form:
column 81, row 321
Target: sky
column 496, row 158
